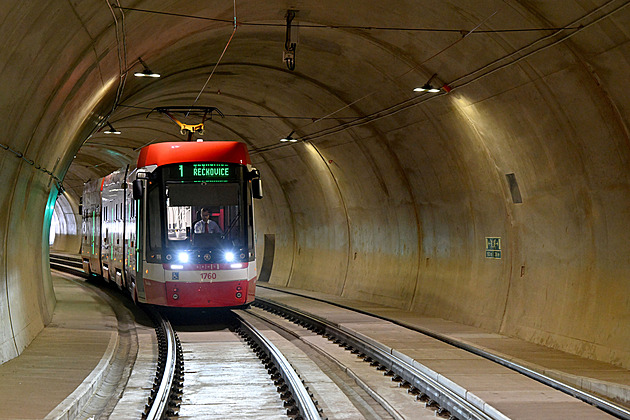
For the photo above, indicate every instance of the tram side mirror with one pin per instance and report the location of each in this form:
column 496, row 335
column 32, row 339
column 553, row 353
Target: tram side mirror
column 137, row 189
column 257, row 191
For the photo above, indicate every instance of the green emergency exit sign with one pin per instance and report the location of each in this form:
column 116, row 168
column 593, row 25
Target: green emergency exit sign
column 493, row 248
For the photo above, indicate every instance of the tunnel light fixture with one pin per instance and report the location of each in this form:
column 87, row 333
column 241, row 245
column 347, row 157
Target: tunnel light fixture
column 146, row 72
column 289, row 138
column 428, row 86
column 111, row 130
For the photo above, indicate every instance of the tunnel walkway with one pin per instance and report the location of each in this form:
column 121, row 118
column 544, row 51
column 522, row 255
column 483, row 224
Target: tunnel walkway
column 68, row 358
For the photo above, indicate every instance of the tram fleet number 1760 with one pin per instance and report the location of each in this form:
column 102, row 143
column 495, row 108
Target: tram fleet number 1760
column 178, row 229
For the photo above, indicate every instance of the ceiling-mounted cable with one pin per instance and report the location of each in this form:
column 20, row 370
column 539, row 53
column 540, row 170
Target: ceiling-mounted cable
column 220, row 58
column 351, row 27
column 523, row 50
column 121, row 46
column 121, row 49
column 412, row 102
column 451, row 45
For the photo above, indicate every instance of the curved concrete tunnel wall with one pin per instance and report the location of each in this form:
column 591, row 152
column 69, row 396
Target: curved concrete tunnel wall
column 403, row 221
column 400, row 216
column 397, row 211
column 52, row 94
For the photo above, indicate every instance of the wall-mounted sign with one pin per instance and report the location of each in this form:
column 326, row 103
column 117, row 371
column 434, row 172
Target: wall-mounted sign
column 493, row 248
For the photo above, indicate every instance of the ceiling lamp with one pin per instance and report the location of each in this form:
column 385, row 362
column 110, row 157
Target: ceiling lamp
column 111, row 130
column 289, row 138
column 146, row 72
column 428, row 87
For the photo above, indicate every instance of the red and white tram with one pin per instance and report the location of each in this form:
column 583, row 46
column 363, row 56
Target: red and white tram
column 142, row 229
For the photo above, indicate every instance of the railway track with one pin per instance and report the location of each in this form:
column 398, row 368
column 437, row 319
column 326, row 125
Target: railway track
column 170, row 398
column 165, row 394
column 234, row 371
column 66, row 262
column 592, row 399
column 401, row 388
column 221, row 354
column 167, row 390
column 348, row 353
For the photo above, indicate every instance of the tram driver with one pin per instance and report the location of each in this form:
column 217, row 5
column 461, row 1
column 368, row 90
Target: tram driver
column 206, row 225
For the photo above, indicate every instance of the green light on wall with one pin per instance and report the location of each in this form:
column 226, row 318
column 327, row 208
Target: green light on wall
column 93, row 229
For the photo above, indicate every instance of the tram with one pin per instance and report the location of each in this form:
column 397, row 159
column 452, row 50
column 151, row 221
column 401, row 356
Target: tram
column 178, row 229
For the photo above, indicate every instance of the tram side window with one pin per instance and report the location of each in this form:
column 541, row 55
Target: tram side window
column 153, row 219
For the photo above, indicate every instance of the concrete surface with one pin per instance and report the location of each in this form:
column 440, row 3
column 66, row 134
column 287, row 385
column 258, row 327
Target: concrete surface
column 61, row 368
column 505, row 392
column 394, row 209
column 225, row 379
column 606, row 380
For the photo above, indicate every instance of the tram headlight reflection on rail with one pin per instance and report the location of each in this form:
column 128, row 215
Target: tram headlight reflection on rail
column 183, row 257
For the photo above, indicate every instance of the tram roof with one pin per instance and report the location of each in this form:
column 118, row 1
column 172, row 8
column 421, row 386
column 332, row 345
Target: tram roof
column 208, row 151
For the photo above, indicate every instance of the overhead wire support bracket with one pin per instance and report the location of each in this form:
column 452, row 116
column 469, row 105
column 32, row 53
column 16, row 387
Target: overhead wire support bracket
column 290, row 43
column 204, row 111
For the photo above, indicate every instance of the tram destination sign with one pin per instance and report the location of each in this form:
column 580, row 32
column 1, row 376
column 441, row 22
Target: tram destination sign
column 216, row 172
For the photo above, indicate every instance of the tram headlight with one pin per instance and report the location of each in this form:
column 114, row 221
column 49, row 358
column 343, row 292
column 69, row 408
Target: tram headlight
column 183, row 257
column 229, row 256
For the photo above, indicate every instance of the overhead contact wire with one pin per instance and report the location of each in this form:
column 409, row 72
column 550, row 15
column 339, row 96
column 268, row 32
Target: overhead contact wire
column 359, row 27
column 220, row 58
column 415, row 101
column 578, row 29
column 451, row 45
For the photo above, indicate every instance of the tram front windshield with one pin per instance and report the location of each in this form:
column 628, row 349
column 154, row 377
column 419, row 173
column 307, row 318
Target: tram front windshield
column 204, row 215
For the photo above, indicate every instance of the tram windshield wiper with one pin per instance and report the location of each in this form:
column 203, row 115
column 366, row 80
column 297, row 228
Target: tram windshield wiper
column 231, row 225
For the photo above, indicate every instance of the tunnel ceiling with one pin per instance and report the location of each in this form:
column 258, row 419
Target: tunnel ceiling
column 356, row 65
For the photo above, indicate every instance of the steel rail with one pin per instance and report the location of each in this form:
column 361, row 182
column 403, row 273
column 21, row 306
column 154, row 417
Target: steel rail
column 304, row 403
column 66, row 260
column 169, row 367
column 67, row 265
column 438, row 388
column 601, row 403
column 159, row 404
